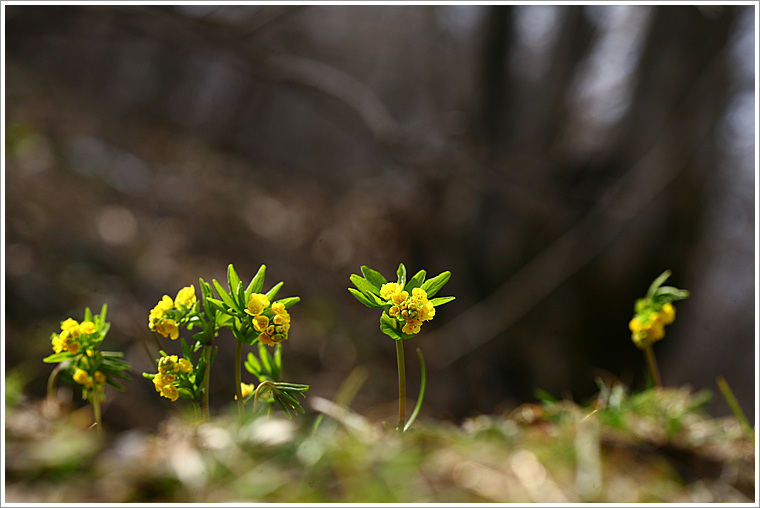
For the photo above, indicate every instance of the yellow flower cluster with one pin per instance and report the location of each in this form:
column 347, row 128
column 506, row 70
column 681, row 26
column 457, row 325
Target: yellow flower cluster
column 166, row 379
column 96, row 381
column 71, row 334
column 158, row 320
column 647, row 329
column 412, row 309
column 271, row 321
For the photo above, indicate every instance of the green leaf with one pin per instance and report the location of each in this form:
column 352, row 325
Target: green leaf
column 363, row 298
column 58, row 357
column 277, row 362
column 658, row 282
column 415, row 281
column 290, row 301
column 224, row 321
column 266, row 361
column 252, row 365
column 374, row 277
column 115, row 384
column 205, row 288
column 670, row 294
column 441, row 300
column 364, row 285
column 224, row 295
column 186, row 352
column 401, row 273
column 390, row 327
column 257, row 283
column 432, row 286
column 273, row 292
column 233, row 280
column 217, row 305
column 103, row 311
column 88, row 315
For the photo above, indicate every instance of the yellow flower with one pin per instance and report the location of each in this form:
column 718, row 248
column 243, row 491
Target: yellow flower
column 87, row 328
column 260, row 323
column 168, row 364
column 73, row 347
column 669, row 313
column 57, row 342
column 167, row 328
column 246, row 389
column 158, row 382
column 100, row 377
column 389, row 289
column 71, row 326
column 186, row 297
column 266, row 339
column 185, row 366
column 170, row 392
column 80, row 376
column 256, row 304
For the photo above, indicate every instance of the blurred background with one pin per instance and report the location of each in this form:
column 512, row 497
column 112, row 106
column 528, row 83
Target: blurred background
column 555, row 158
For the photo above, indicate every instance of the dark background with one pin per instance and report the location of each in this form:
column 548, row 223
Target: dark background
column 555, row 158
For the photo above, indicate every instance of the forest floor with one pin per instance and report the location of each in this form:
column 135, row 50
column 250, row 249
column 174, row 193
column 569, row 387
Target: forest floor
column 655, row 446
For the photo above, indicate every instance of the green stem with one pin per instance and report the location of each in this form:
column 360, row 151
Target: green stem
column 401, row 385
column 652, row 363
column 206, row 383
column 238, row 388
column 728, row 394
column 96, row 410
column 256, row 393
column 423, row 383
column 52, row 382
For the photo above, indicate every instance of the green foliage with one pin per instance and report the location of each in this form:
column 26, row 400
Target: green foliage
column 555, row 452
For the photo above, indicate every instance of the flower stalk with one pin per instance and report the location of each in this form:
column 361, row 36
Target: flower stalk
column 406, row 305
column 401, row 385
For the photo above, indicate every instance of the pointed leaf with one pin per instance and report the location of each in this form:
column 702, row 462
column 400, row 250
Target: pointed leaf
column 233, row 280
column 441, row 300
column 224, row 295
column 58, row 357
column 374, row 277
column 185, row 349
column 401, row 273
column 257, row 282
column 290, row 301
column 432, row 286
column 363, row 298
column 415, row 281
column 273, row 292
column 364, row 285
column 658, row 282
column 266, row 362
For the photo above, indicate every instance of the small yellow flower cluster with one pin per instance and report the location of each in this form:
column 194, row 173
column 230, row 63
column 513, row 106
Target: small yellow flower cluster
column 71, row 334
column 158, row 321
column 412, row 309
column 271, row 321
column 166, row 379
column 97, row 381
column 649, row 328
